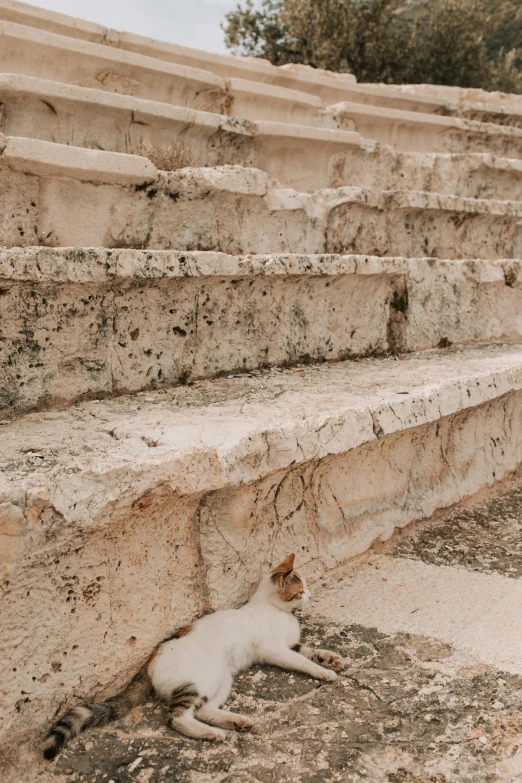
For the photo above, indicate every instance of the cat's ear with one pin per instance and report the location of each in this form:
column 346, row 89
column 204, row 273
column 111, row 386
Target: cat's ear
column 283, row 570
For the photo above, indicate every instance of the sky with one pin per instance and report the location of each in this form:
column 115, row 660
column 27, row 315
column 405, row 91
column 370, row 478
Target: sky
column 187, row 22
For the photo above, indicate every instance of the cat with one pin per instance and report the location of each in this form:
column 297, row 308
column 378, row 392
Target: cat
column 193, row 671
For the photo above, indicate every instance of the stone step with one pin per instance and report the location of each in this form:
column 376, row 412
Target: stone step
column 33, row 52
column 304, row 157
column 341, row 89
column 257, row 101
column 47, row 201
column 439, row 606
column 46, row 160
column 459, row 97
column 94, row 118
column 486, row 112
column 253, row 69
column 471, row 104
column 94, row 323
column 416, row 132
column 44, row 19
column 110, row 510
column 68, row 114
column 84, row 117
column 329, row 87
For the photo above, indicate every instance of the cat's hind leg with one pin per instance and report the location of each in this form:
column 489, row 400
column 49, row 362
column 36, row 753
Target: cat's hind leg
column 225, row 719
column 210, row 711
column 183, row 701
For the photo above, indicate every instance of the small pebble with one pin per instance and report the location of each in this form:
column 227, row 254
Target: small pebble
column 135, row 763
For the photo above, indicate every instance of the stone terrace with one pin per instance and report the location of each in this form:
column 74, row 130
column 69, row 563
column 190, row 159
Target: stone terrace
column 245, row 310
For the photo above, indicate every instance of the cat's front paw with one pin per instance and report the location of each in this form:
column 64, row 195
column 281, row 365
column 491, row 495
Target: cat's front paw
column 328, row 676
column 330, row 659
column 242, row 723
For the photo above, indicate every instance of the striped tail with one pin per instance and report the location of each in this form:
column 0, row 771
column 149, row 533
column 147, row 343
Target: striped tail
column 89, row 715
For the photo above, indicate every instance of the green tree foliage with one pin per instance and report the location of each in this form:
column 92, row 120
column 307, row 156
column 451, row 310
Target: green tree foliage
column 445, row 42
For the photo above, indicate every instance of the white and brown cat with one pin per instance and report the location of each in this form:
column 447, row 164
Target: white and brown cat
column 193, row 672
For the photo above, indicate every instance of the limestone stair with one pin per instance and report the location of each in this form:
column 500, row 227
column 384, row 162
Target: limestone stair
column 329, row 87
column 306, row 338
column 107, row 322
column 70, row 196
column 59, row 59
column 94, row 118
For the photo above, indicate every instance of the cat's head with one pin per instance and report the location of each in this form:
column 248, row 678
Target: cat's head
column 287, row 588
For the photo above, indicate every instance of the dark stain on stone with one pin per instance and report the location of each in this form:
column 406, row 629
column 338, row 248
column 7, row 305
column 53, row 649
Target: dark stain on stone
column 398, row 316
column 485, row 536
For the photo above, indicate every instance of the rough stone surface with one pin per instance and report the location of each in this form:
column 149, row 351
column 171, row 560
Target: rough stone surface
column 468, row 175
column 85, row 323
column 107, row 322
column 304, row 157
column 131, row 528
column 237, row 210
column 33, row 52
column 415, row 132
column 477, row 614
column 485, row 112
column 482, row 535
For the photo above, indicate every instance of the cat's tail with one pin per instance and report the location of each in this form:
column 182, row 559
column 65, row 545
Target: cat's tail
column 93, row 714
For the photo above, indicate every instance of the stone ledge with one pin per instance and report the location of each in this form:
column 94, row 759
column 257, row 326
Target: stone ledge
column 16, row 86
column 34, row 52
column 74, row 265
column 410, row 131
column 459, row 96
column 299, row 156
column 101, row 322
column 259, row 101
column 245, row 427
column 341, row 139
column 244, row 210
column 43, row 19
column 45, row 159
column 502, row 114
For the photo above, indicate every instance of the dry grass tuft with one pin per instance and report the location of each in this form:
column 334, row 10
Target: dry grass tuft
column 166, row 157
